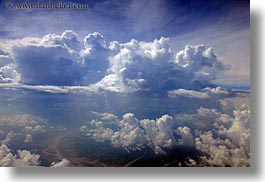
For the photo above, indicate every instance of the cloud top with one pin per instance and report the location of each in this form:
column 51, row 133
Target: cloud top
column 64, row 60
column 221, row 137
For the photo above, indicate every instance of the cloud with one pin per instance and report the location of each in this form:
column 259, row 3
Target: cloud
column 106, row 116
column 216, row 91
column 28, row 138
column 228, row 143
column 222, row 152
column 8, row 74
column 154, row 66
column 62, row 163
column 133, row 134
column 220, row 135
column 23, row 158
column 186, row 136
column 94, row 58
column 111, row 83
column 99, row 133
column 83, row 128
column 5, row 58
column 35, row 129
column 191, row 163
column 10, row 135
column 63, row 60
column 19, row 125
column 18, row 120
column 94, row 41
column 205, row 93
column 187, row 93
column 51, row 88
column 18, row 129
column 67, row 39
column 47, row 61
column 130, row 136
column 14, row 129
column 2, row 132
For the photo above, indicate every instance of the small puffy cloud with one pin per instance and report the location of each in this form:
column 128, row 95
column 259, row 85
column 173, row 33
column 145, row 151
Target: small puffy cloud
column 8, row 74
column 191, row 163
column 28, row 138
column 94, row 40
column 100, row 133
column 20, row 120
column 83, row 128
column 62, row 163
column 23, row 158
column 10, row 135
column 106, row 116
column 21, row 125
column 2, row 132
column 35, row 129
column 70, row 38
column 186, row 136
column 67, row 39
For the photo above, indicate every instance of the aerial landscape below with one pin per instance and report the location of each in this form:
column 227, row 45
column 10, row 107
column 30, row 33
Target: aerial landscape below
column 137, row 83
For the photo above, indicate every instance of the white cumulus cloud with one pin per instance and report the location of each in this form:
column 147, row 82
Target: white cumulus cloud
column 21, row 159
column 64, row 60
column 28, row 138
column 133, row 134
column 187, row 93
column 62, row 163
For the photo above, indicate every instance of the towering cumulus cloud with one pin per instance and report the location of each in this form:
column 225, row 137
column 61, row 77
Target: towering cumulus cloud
column 51, row 60
column 64, row 60
column 134, row 134
column 221, row 137
column 8, row 74
column 94, row 58
column 154, row 66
